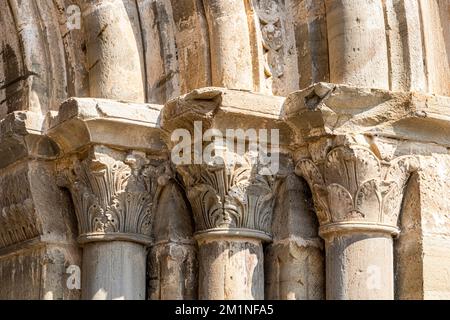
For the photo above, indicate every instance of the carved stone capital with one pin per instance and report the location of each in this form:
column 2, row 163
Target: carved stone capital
column 232, row 196
column 357, row 147
column 354, row 191
column 113, row 188
column 230, row 201
column 113, row 194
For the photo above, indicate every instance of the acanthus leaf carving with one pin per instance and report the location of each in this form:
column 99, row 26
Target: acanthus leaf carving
column 351, row 166
column 368, row 200
column 355, row 186
column 396, row 178
column 391, row 205
column 338, row 195
column 113, row 196
column 307, row 169
column 229, row 197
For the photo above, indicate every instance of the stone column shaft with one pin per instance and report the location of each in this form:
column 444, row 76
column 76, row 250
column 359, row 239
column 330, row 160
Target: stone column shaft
column 231, row 51
column 231, row 269
column 116, row 68
column 172, row 271
column 114, row 271
column 357, row 43
column 172, row 260
column 295, row 260
column 358, row 200
column 359, row 266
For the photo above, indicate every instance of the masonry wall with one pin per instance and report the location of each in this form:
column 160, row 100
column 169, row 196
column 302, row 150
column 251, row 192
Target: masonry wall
column 142, row 55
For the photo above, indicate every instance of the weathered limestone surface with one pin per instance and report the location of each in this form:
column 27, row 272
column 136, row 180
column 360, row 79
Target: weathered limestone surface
column 37, row 225
column 157, row 50
column 357, row 170
column 408, row 247
column 103, row 22
column 38, row 273
column 311, row 38
column 231, row 269
column 172, row 259
column 128, row 271
column 114, row 191
column 422, row 248
column 232, row 203
column 435, row 235
column 93, row 204
column 294, row 264
column 371, row 176
column 357, row 43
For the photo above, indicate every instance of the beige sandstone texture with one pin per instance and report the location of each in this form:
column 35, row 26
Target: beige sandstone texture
column 93, row 204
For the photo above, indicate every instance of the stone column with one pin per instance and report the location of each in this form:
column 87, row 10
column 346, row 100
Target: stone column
column 231, row 268
column 231, row 50
column 232, row 222
column 124, row 279
column 172, row 259
column 116, row 68
column 114, row 188
column 357, row 43
column 113, row 194
column 295, row 260
column 358, row 199
column 357, row 148
column 349, row 275
column 231, row 196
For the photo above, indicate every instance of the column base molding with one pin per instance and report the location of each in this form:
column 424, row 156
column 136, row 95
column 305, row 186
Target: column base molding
column 357, row 227
column 119, row 236
column 242, row 233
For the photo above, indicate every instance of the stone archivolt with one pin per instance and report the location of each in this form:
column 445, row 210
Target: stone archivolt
column 353, row 187
column 153, row 51
column 115, row 197
column 272, row 32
